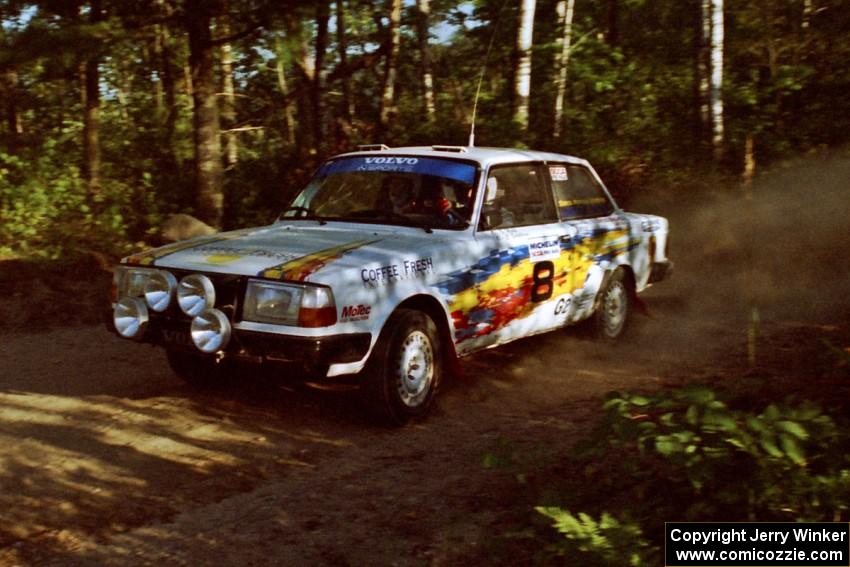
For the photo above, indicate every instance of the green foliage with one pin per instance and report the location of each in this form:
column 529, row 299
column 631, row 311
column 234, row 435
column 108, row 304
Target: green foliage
column 789, row 457
column 606, row 542
column 631, row 105
column 711, row 462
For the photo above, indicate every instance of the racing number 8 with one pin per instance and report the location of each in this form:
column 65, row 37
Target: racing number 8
column 542, row 289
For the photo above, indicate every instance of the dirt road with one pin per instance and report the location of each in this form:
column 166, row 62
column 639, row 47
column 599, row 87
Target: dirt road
column 107, row 459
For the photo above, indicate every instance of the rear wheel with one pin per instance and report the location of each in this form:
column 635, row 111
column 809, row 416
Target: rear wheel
column 195, row 369
column 405, row 368
column 615, row 302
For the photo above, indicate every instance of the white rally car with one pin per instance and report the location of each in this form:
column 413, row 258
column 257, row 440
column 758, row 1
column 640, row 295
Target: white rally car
column 392, row 263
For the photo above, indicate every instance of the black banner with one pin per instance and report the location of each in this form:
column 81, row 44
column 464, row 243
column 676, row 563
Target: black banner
column 757, row 544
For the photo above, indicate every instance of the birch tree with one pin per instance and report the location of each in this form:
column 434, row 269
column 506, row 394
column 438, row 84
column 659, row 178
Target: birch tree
column 716, row 91
column 388, row 90
column 710, row 70
column 423, row 12
column 522, row 82
column 565, row 9
column 228, row 103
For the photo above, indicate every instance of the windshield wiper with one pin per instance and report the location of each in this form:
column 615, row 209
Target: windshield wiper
column 306, row 214
column 378, row 215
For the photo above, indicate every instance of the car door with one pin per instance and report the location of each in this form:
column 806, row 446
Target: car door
column 598, row 237
column 520, row 232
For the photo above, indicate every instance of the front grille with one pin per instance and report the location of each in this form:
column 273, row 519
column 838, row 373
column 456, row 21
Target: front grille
column 229, row 290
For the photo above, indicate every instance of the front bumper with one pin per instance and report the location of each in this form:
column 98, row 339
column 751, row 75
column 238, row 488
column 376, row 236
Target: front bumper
column 312, row 354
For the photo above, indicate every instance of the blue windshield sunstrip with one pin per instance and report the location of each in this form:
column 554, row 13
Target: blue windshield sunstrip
column 457, row 171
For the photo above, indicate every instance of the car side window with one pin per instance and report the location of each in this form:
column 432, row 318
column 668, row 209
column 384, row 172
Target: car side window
column 516, row 195
column 578, row 193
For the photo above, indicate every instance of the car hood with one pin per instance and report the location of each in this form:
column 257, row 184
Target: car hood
column 290, row 251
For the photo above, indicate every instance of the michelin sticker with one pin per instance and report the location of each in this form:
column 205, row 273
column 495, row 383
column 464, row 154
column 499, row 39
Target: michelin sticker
column 547, row 248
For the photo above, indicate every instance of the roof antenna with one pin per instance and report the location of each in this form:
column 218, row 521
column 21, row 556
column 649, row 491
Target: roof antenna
column 481, row 77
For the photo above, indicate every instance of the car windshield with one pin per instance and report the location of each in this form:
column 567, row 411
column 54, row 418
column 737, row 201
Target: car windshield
column 396, row 190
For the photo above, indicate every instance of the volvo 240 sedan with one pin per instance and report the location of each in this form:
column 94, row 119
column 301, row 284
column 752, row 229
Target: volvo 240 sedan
column 391, row 264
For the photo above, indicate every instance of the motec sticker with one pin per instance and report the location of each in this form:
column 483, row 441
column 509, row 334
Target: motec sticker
column 355, row 313
column 547, row 248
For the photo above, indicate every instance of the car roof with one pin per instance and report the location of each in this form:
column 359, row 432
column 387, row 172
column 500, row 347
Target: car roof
column 483, row 155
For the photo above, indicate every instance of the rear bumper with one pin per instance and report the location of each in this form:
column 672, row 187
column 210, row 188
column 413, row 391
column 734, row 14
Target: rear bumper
column 660, row 271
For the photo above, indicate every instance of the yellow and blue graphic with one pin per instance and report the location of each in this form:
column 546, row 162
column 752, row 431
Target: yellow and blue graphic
column 301, row 268
column 148, row 257
column 506, row 285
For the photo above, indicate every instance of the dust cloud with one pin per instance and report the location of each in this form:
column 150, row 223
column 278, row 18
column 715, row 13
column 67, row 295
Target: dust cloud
column 783, row 251
column 780, row 258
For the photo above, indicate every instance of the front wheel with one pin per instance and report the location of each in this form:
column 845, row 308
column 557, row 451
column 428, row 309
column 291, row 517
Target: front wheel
column 612, row 313
column 405, row 368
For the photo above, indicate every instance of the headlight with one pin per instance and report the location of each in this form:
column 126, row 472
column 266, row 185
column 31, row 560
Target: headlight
column 131, row 282
column 287, row 304
column 195, row 294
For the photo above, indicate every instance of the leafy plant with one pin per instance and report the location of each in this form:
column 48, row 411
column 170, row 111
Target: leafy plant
column 603, row 542
column 685, row 454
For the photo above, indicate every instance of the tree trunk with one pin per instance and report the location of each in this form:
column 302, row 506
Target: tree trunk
column 305, row 67
column 388, row 91
column 612, row 34
column 423, row 29
column 14, row 126
column 9, row 93
column 347, row 103
column 228, row 106
column 717, row 78
column 208, row 169
column 704, row 70
column 167, row 73
column 565, row 11
column 90, row 79
column 522, row 83
column 318, row 86
column 288, row 119
column 808, row 10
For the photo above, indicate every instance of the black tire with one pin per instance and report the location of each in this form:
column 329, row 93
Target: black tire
column 409, row 340
column 614, row 307
column 195, row 369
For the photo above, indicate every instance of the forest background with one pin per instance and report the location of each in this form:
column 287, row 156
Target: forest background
column 118, row 113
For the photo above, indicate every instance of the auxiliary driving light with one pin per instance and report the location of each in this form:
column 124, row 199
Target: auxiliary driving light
column 195, row 294
column 130, row 317
column 159, row 290
column 210, row 331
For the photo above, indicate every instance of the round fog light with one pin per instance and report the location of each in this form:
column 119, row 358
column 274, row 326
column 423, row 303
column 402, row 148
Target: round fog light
column 195, row 294
column 158, row 290
column 210, row 331
column 130, row 317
